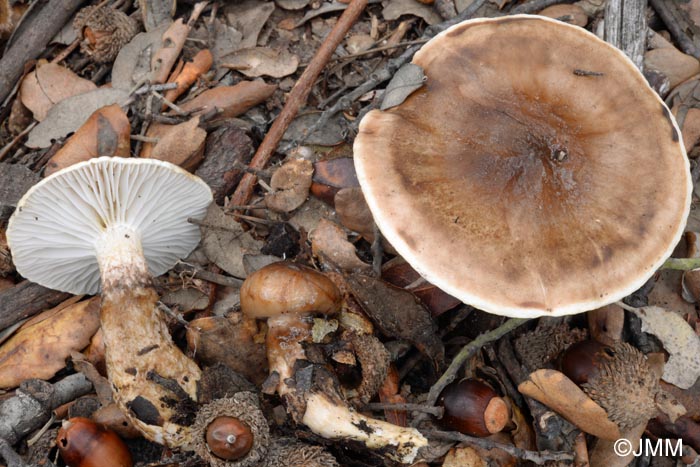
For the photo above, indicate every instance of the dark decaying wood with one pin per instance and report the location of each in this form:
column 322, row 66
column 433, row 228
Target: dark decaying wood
column 26, row 299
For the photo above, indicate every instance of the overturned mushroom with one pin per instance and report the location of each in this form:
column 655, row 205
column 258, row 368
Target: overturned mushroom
column 535, row 172
column 287, row 295
column 111, row 224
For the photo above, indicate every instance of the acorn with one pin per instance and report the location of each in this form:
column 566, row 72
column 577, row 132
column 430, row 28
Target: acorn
column 618, row 378
column 473, row 408
column 581, row 360
column 84, row 443
column 231, row 431
column 229, row 438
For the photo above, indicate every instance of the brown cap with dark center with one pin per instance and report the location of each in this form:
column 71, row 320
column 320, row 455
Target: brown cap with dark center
column 535, row 173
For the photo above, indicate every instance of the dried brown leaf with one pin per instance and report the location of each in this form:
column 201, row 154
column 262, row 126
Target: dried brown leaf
column 329, row 243
column 231, row 100
column 48, row 85
column 290, row 184
column 71, row 113
column 170, row 47
column 398, row 313
column 249, row 17
column 679, row 340
column 225, row 242
column 262, row 61
column 560, row 394
column 181, row 144
column 672, row 63
column 105, row 133
column 41, row 346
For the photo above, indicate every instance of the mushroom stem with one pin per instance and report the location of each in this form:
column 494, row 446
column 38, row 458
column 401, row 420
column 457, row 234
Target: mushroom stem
column 334, row 420
column 140, row 353
column 331, row 417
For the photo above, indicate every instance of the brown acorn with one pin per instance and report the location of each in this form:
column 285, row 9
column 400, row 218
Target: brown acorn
column 229, row 438
column 581, row 360
column 84, row 443
column 473, row 408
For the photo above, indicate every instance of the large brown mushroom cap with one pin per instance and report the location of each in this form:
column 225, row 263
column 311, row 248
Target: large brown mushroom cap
column 535, row 173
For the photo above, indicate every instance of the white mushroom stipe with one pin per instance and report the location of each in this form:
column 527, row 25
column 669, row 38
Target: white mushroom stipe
column 334, row 421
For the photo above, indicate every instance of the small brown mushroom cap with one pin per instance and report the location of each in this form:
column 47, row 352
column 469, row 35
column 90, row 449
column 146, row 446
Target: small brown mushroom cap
column 535, row 173
column 288, row 288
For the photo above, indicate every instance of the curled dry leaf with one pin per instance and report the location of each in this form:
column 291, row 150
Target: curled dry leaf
column 290, row 184
column 232, row 101
column 225, row 242
column 48, row 85
column 605, row 452
column 672, row 63
column 70, row 114
column 133, row 64
column 678, row 339
column 572, row 14
column 170, row 47
column 181, row 144
column 396, row 8
column 233, row 341
column 464, row 457
column 329, row 243
column 560, row 394
column 398, row 314
column 353, row 211
column 41, row 346
column 262, row 61
column 105, row 133
column 249, row 17
column 199, row 65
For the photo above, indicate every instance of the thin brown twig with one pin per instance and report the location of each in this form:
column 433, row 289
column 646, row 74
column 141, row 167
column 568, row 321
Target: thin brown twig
column 6, row 150
column 66, row 52
column 538, row 458
column 429, row 409
column 297, row 98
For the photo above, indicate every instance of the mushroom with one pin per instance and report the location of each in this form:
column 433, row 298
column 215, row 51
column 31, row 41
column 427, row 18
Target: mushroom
column 112, row 224
column 535, row 173
column 288, row 295
column 103, row 31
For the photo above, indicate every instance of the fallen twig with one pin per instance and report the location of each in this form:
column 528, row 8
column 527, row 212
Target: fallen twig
column 429, row 409
column 538, row 458
column 297, row 97
column 34, row 403
column 30, row 40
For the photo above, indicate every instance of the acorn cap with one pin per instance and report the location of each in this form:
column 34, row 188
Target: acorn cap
column 61, row 221
column 103, row 31
column 535, row 173
column 540, row 346
column 624, row 385
column 290, row 452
